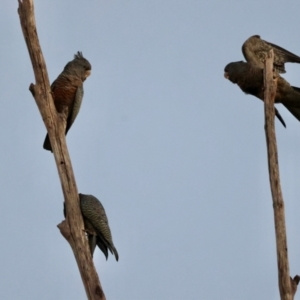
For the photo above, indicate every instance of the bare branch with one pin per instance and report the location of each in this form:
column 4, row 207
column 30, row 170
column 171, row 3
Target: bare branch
column 281, row 240
column 72, row 228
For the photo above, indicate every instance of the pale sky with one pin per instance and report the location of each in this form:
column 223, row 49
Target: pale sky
column 175, row 152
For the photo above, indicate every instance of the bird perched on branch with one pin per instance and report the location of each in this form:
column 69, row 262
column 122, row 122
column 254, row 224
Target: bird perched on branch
column 249, row 77
column 255, row 51
column 96, row 225
column 67, row 90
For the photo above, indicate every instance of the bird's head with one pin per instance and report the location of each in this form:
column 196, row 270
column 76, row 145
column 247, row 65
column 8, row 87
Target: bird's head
column 79, row 65
column 234, row 69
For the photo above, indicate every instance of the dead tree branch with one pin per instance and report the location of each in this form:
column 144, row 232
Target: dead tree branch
column 270, row 85
column 72, row 227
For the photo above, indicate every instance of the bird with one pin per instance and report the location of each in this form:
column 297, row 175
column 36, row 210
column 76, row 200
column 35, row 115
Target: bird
column 249, row 77
column 96, row 225
column 67, row 90
column 255, row 51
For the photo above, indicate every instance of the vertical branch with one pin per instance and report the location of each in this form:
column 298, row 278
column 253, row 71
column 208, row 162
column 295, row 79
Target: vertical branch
column 278, row 205
column 72, row 228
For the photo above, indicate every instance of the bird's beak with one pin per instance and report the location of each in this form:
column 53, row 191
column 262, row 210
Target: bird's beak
column 87, row 73
column 226, row 75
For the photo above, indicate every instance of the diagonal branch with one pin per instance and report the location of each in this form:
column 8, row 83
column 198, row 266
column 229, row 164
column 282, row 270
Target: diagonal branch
column 281, row 240
column 72, row 227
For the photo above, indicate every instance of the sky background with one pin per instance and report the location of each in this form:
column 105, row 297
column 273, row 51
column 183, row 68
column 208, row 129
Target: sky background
column 176, row 153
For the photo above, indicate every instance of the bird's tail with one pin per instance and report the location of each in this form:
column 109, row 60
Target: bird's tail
column 277, row 114
column 115, row 253
column 295, row 111
column 294, row 104
column 102, row 246
column 47, row 144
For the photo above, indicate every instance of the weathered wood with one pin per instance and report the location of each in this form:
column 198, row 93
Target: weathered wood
column 72, row 228
column 270, row 84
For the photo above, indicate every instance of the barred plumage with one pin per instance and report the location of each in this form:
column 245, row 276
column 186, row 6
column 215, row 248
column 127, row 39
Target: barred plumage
column 96, row 225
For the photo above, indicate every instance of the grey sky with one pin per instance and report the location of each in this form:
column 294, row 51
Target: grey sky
column 175, row 152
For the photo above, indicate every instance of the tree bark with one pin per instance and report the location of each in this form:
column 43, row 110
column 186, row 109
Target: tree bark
column 270, row 85
column 72, row 228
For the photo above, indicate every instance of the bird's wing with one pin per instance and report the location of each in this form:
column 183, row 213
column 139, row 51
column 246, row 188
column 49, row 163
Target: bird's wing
column 101, row 225
column 281, row 56
column 255, row 51
column 76, row 107
column 93, row 211
column 102, row 245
